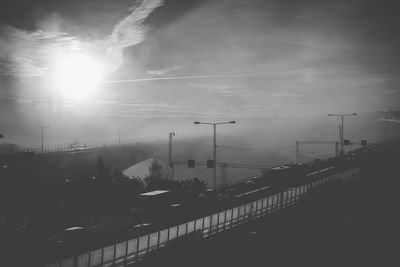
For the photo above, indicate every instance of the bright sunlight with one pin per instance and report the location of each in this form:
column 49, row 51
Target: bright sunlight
column 77, row 76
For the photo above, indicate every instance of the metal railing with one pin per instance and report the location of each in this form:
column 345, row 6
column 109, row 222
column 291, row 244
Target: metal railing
column 133, row 250
column 75, row 146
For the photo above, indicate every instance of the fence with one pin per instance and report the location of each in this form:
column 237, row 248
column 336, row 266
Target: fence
column 75, row 146
column 133, row 250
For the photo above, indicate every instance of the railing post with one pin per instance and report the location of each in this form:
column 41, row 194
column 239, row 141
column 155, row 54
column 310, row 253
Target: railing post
column 125, row 262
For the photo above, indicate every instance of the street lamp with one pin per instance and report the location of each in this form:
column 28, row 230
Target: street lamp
column 341, row 132
column 215, row 146
column 42, row 126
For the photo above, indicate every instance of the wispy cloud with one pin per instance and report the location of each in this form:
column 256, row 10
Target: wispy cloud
column 164, row 71
column 24, row 53
column 130, row 31
column 30, row 53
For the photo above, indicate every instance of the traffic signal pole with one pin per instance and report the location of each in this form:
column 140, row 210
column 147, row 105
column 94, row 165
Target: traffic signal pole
column 214, row 146
column 170, row 163
column 215, row 157
column 341, row 130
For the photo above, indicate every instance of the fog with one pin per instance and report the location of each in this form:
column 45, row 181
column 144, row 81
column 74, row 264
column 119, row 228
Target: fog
column 276, row 68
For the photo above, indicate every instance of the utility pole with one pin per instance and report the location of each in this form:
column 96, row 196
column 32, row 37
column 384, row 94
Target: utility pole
column 342, row 138
column 215, row 157
column 119, row 135
column 42, row 127
column 170, row 162
column 341, row 130
column 336, row 149
column 386, row 126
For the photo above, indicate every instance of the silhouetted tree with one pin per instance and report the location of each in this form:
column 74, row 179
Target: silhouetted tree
column 126, row 189
column 101, row 170
column 153, row 180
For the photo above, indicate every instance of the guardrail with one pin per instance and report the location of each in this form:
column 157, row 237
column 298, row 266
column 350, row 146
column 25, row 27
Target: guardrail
column 132, row 250
column 74, row 147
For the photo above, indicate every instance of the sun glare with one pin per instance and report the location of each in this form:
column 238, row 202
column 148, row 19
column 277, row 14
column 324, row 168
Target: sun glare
column 77, row 76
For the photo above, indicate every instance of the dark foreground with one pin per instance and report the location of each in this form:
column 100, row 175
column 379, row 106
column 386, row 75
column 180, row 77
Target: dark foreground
column 352, row 226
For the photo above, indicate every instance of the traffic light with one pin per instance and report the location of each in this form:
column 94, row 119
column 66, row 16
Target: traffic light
column 346, row 142
column 191, row 163
column 363, row 142
column 210, row 163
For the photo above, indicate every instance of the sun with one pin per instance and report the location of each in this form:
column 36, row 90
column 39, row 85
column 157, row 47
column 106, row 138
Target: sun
column 77, row 76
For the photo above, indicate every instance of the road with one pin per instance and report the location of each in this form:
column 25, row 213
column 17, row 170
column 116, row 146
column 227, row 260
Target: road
column 354, row 227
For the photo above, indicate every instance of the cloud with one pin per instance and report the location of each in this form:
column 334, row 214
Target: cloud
column 22, row 53
column 143, row 109
column 31, row 53
column 164, row 71
column 129, row 31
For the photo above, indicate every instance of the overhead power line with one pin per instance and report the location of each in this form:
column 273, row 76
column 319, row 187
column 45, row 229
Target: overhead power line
column 325, row 136
column 255, row 148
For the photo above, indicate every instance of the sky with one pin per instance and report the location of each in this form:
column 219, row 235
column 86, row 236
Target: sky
column 190, row 60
